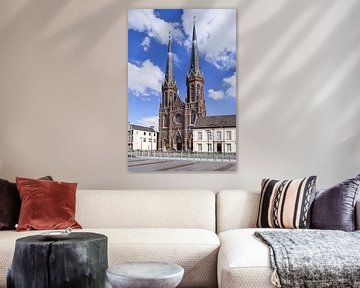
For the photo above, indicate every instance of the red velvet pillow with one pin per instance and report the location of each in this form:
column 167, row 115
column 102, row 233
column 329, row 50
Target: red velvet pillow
column 10, row 204
column 46, row 204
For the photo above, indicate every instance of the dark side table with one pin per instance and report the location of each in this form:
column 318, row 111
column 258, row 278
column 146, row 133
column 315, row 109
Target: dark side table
column 79, row 261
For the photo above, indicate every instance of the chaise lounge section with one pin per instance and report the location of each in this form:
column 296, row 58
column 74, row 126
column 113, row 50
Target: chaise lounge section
column 244, row 260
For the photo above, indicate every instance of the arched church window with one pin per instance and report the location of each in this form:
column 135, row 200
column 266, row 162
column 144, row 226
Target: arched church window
column 171, row 97
column 165, row 121
column 165, row 99
column 193, row 117
column 198, row 90
column 192, row 96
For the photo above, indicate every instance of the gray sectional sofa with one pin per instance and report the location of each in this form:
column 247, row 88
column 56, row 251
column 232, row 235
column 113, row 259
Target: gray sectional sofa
column 210, row 235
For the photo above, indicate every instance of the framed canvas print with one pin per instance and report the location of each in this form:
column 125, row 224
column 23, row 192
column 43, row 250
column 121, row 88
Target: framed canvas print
column 181, row 90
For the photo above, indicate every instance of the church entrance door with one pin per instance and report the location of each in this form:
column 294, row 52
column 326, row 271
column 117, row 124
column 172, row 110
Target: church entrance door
column 178, row 146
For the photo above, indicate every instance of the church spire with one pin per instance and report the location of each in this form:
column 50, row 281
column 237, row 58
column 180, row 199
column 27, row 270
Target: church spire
column 194, row 63
column 169, row 73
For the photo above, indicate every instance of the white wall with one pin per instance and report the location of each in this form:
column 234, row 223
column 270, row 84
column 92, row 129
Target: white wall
column 63, row 92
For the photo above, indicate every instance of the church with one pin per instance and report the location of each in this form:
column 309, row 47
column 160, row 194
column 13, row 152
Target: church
column 176, row 118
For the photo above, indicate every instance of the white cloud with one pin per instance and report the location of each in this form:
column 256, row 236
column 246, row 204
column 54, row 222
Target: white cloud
column 231, row 82
column 144, row 79
column 146, row 43
column 177, row 60
column 149, row 121
column 216, row 34
column 230, row 85
column 216, row 95
column 145, row 20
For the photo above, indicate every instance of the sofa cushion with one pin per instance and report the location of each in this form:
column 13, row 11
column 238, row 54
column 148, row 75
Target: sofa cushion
column 334, row 208
column 153, row 209
column 236, row 209
column 194, row 249
column 46, row 204
column 10, row 204
column 244, row 261
column 286, row 204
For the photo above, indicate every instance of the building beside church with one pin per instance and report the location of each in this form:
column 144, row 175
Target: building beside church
column 141, row 138
column 176, row 118
column 215, row 134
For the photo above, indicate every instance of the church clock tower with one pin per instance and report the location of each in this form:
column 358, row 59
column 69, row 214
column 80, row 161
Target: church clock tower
column 195, row 102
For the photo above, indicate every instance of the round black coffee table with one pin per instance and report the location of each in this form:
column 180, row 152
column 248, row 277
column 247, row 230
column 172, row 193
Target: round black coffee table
column 145, row 275
column 79, row 260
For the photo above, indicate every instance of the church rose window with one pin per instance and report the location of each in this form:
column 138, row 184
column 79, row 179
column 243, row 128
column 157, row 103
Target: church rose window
column 178, row 119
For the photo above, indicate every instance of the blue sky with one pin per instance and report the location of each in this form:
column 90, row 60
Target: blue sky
column 147, row 50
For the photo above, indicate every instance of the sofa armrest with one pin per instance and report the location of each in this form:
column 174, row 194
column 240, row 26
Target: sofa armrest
column 357, row 215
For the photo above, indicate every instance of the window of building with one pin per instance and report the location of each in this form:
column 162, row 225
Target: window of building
column 209, row 135
column 199, row 135
column 199, row 147
column 144, row 139
column 144, row 133
column 228, row 135
column 228, row 147
column 218, row 135
column 154, row 140
column 209, row 147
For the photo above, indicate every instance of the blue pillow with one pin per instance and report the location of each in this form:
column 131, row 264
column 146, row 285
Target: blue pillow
column 334, row 208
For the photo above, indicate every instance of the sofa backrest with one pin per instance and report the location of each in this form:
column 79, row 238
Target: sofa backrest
column 239, row 209
column 146, row 209
column 236, row 209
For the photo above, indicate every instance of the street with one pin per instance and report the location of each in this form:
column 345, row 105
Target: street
column 154, row 165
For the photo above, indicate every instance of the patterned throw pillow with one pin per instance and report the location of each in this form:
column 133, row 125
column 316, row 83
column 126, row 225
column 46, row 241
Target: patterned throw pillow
column 286, row 204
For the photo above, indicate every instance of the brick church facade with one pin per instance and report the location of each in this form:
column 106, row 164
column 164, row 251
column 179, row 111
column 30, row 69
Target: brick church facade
column 176, row 118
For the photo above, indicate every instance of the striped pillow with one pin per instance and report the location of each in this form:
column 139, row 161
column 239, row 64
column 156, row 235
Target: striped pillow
column 286, row 204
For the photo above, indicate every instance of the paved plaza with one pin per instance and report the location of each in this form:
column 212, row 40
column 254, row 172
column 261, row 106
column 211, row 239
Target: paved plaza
column 173, row 165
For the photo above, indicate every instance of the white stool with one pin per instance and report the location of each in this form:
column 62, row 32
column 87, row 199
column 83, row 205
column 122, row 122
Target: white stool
column 145, row 275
